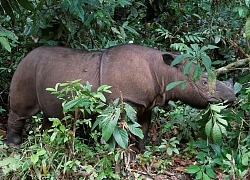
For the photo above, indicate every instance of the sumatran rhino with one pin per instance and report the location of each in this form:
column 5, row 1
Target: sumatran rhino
column 139, row 73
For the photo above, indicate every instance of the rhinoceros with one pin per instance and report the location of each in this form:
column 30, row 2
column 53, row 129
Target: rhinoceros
column 139, row 73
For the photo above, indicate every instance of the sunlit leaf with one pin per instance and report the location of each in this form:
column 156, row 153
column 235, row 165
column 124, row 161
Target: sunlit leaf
column 217, row 108
column 237, row 87
column 193, row 169
column 5, row 43
column 208, row 128
column 217, row 39
column 70, row 104
column 247, row 27
column 34, row 158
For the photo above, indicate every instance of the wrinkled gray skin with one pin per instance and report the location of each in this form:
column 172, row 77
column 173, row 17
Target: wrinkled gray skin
column 139, row 73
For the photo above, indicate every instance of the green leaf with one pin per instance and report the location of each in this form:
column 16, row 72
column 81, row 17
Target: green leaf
column 237, row 87
column 195, row 47
column 169, row 151
column 205, row 176
column 5, row 43
column 34, row 158
column 50, row 89
column 247, row 27
column 187, row 68
column 208, row 127
column 217, row 108
column 8, row 34
column 179, row 58
column 210, row 172
column 217, row 39
column 223, row 129
column 100, row 96
column 135, row 129
column 183, row 86
column 130, row 112
column 115, row 30
column 247, row 3
column 109, row 127
column 206, row 61
column 219, row 118
column 41, row 152
column 70, row 104
column 26, row 5
column 125, row 26
column 173, row 84
column 121, row 137
column 246, row 159
column 192, row 169
column 197, row 73
column 216, row 133
column 53, row 136
column 103, row 87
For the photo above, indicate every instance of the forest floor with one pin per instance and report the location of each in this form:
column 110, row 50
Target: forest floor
column 150, row 170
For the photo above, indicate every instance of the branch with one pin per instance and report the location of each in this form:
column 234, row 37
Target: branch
column 239, row 48
column 232, row 66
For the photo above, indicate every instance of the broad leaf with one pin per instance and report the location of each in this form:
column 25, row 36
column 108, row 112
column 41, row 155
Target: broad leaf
column 121, row 137
column 217, row 108
column 238, row 86
column 5, row 43
column 34, row 158
column 187, row 68
column 216, row 133
column 173, row 84
column 197, row 73
column 136, row 130
column 206, row 61
column 70, row 104
column 108, row 129
column 208, row 128
column 26, row 5
column 192, row 169
column 130, row 112
column 179, row 58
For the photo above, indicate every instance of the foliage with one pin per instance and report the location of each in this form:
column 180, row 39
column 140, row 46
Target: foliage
column 44, row 154
column 175, row 25
column 198, row 57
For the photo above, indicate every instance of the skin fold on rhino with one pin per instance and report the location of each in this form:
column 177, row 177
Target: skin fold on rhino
column 139, row 73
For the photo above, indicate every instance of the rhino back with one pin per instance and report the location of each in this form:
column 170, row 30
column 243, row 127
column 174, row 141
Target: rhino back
column 46, row 66
column 131, row 70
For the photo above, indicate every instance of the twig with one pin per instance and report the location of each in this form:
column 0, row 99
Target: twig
column 239, row 48
column 232, row 66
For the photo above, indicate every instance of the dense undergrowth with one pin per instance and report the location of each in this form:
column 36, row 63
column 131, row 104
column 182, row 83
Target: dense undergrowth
column 178, row 145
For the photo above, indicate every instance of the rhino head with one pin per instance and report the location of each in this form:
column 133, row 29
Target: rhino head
column 199, row 94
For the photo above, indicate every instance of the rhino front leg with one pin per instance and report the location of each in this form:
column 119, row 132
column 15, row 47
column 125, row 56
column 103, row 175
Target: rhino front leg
column 15, row 129
column 144, row 120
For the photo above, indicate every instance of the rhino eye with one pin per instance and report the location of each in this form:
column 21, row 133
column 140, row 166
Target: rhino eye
column 204, row 82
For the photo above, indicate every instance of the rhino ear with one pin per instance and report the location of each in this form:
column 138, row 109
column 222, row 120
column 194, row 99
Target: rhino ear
column 168, row 58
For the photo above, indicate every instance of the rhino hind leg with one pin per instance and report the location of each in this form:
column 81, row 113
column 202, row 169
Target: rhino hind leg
column 15, row 129
column 46, row 123
column 144, row 120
